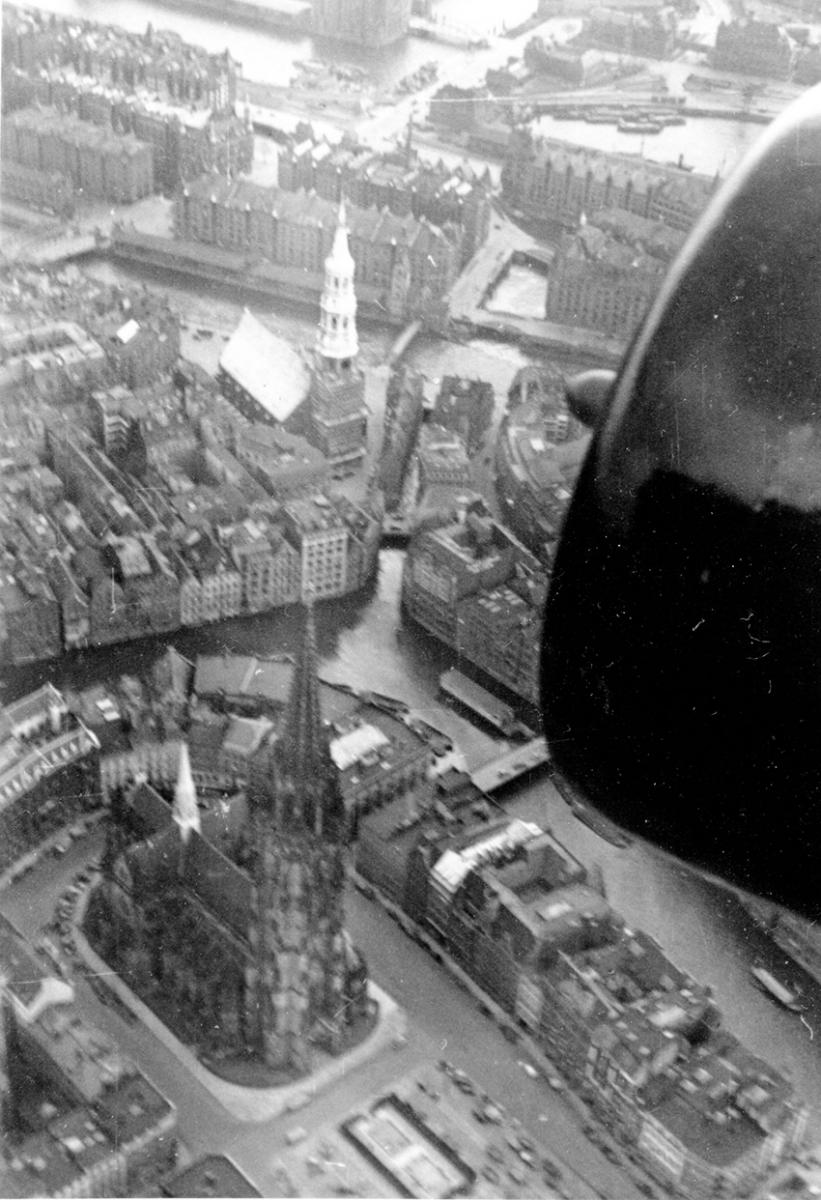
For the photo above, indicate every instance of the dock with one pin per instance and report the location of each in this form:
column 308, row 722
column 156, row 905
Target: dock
column 478, row 701
column 512, row 765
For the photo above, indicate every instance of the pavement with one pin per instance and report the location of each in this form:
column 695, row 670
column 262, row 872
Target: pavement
column 442, row 1021
column 246, row 1103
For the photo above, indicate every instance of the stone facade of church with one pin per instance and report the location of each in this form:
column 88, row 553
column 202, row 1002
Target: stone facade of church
column 229, row 921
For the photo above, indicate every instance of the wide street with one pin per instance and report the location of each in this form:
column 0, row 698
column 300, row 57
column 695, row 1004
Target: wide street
column 443, row 1022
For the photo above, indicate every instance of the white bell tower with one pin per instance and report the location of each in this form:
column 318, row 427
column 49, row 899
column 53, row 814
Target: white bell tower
column 337, row 343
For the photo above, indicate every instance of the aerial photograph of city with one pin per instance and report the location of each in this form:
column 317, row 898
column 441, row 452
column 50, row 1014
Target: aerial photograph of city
column 296, row 895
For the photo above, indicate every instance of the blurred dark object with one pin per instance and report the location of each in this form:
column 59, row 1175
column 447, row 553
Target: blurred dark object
column 681, row 672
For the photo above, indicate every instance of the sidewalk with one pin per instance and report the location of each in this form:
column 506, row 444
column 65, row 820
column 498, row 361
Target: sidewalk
column 245, row 1103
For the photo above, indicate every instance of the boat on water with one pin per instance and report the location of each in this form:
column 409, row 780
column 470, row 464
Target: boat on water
column 626, row 125
column 600, row 825
column 785, row 996
column 602, row 116
column 798, row 937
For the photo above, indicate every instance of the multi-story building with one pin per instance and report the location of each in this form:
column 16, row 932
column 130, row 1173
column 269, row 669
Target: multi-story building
column 29, row 615
column 466, row 407
column 104, row 166
column 445, row 565
column 399, row 181
column 268, row 565
column 754, row 48
column 320, row 536
column 79, row 1119
column 602, row 282
column 289, row 464
column 650, row 35
column 442, row 459
column 338, row 416
column 75, row 620
column 403, row 264
column 637, row 1036
column 210, row 587
column 38, row 189
column 161, row 63
column 50, row 359
column 550, row 180
column 371, row 23
column 473, row 586
column 49, row 774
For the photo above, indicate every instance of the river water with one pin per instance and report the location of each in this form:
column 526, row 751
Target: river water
column 361, row 639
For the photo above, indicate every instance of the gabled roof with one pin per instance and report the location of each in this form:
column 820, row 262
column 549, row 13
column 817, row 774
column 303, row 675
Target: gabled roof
column 266, row 367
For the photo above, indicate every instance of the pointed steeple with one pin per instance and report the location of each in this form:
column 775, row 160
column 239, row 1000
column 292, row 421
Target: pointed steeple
column 302, row 742
column 303, row 756
column 185, row 811
column 337, row 342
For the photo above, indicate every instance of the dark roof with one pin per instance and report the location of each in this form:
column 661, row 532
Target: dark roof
column 213, row 1175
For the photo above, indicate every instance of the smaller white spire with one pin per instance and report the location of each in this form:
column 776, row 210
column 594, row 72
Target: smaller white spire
column 185, row 810
column 340, row 259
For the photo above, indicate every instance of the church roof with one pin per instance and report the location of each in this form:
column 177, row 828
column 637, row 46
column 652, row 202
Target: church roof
column 266, row 367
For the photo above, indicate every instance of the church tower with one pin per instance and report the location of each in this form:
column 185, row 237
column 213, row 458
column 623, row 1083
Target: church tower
column 185, row 810
column 338, row 416
column 305, row 983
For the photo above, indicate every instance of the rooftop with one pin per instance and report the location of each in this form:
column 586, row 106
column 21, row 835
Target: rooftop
column 265, row 366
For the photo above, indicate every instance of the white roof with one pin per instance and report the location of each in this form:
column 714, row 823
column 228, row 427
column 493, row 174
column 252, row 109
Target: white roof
column 266, row 367
column 349, row 748
column 126, row 332
column 454, row 865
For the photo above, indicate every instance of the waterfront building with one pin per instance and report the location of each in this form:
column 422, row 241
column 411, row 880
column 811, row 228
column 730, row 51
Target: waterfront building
column 476, row 588
column 404, row 265
column 466, row 407
column 160, row 61
column 106, row 167
column 316, row 529
column 400, row 181
column 49, row 775
column 539, row 452
column 444, row 565
column 261, row 373
column 371, row 23
column 754, row 48
column 724, row 1121
column 638, row 1037
column 176, row 98
column 603, row 282
column 404, row 411
column 338, row 416
column 75, row 621
column 268, row 564
column 29, row 615
column 47, row 190
column 551, row 180
column 240, row 923
column 578, row 67
column 648, row 35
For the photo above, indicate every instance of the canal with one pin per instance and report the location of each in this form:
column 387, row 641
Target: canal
column 361, row 641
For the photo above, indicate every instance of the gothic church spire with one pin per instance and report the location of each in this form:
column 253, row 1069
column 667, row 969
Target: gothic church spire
column 185, row 810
